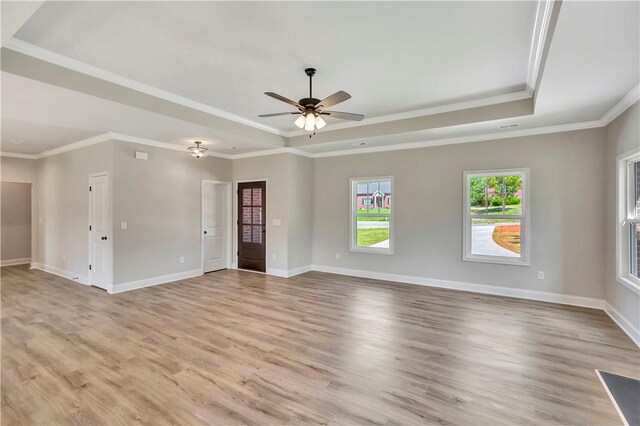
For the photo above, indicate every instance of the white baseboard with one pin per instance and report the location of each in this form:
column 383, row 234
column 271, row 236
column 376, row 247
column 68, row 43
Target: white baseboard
column 632, row 331
column 564, row 299
column 12, row 262
column 298, row 271
column 148, row 282
column 277, row 272
column 82, row 279
column 288, row 273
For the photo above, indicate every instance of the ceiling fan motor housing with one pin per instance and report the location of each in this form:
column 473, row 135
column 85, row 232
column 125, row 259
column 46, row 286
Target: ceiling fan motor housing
column 309, row 102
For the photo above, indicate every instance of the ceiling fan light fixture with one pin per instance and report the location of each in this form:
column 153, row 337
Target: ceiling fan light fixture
column 300, row 121
column 320, row 123
column 310, row 122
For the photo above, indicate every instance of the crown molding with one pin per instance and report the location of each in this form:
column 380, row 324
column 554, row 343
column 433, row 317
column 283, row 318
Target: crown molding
column 467, row 139
column 150, row 142
column 540, row 32
column 81, row 67
column 283, row 150
column 623, row 104
column 103, row 137
column 491, row 100
column 16, row 155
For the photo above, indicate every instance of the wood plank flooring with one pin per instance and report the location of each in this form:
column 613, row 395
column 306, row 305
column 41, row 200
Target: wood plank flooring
column 241, row 348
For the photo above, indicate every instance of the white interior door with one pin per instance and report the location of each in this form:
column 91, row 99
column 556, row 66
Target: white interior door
column 99, row 230
column 215, row 226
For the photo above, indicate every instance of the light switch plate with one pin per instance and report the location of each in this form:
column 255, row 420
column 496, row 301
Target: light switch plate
column 276, row 222
column 123, row 225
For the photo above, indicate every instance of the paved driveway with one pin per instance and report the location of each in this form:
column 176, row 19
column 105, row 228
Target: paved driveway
column 372, row 224
column 482, row 242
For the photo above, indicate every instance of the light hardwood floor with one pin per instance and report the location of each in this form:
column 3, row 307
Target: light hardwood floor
column 235, row 347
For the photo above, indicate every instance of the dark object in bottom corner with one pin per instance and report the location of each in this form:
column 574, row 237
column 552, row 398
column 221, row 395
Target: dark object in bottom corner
column 625, row 395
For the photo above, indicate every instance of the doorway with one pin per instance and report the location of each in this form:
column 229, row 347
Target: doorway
column 252, row 230
column 100, row 241
column 216, row 229
column 15, row 226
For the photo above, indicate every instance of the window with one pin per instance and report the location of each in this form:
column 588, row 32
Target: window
column 371, row 215
column 628, row 230
column 496, row 216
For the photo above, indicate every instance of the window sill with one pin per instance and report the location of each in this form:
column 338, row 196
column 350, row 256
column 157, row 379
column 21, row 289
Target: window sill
column 629, row 284
column 371, row 250
column 495, row 260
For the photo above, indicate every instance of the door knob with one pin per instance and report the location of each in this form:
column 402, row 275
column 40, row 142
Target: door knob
column 104, row 238
column 205, row 232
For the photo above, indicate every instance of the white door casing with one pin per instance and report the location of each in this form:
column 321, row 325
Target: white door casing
column 99, row 232
column 215, row 225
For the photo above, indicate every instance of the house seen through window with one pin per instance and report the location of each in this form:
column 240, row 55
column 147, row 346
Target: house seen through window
column 371, row 217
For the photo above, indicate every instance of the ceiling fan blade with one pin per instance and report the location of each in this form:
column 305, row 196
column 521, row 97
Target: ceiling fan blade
column 283, row 99
column 343, row 115
column 276, row 114
column 334, row 99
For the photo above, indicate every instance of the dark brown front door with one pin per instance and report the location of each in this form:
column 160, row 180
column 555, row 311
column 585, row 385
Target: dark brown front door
column 252, row 200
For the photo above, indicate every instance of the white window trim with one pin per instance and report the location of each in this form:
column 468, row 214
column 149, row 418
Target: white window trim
column 354, row 221
column 525, row 240
column 623, row 213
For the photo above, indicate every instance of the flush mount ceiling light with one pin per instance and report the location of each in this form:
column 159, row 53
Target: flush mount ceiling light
column 311, row 109
column 197, row 151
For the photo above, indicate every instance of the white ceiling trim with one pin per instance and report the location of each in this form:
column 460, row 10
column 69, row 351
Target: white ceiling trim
column 491, row 100
column 75, row 65
column 540, row 31
column 467, row 139
column 103, row 137
column 629, row 99
column 285, row 150
column 151, row 142
column 16, row 155
column 72, row 64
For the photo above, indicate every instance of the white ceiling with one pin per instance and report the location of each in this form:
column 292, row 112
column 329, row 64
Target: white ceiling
column 594, row 59
column 391, row 57
column 43, row 117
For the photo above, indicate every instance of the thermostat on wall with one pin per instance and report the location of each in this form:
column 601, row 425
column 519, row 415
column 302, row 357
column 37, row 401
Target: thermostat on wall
column 142, row 155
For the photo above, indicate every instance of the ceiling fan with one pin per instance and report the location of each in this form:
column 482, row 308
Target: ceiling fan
column 311, row 109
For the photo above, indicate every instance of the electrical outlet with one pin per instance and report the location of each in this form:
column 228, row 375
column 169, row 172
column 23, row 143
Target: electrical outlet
column 181, row 259
column 541, row 275
column 273, row 256
column 337, row 255
column 123, row 225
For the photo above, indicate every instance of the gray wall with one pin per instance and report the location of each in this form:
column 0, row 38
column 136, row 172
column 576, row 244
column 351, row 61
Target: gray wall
column 22, row 170
column 300, row 233
column 623, row 135
column 160, row 199
column 15, row 226
column 63, row 200
column 18, row 169
column 566, row 216
column 289, row 179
